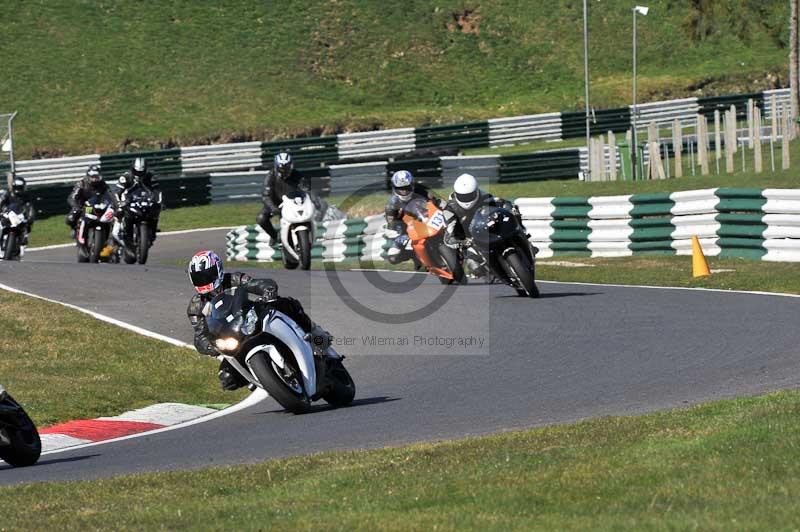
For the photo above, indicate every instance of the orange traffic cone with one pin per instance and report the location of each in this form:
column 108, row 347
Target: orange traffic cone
column 699, row 262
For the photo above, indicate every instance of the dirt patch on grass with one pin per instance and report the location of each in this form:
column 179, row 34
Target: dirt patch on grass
column 466, row 21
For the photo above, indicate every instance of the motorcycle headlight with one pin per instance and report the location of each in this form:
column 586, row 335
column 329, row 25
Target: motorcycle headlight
column 250, row 322
column 226, row 344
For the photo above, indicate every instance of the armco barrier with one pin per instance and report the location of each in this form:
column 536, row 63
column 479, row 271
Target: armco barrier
column 315, row 153
column 751, row 223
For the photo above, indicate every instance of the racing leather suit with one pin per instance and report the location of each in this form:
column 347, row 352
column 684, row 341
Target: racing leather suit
column 395, row 209
column 122, row 192
column 82, row 191
column 266, row 288
column 272, row 194
column 457, row 231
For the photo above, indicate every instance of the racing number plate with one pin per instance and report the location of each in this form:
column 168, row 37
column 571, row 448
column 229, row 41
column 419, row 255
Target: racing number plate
column 436, row 221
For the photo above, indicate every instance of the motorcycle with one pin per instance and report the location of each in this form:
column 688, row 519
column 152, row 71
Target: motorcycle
column 20, row 444
column 504, row 247
column 425, row 226
column 270, row 350
column 94, row 230
column 13, row 225
column 297, row 230
column 140, row 211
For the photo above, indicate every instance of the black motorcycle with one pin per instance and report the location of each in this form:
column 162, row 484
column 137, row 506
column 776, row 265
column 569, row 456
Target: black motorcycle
column 95, row 227
column 140, row 211
column 270, row 350
column 504, row 246
column 20, row 444
column 13, row 225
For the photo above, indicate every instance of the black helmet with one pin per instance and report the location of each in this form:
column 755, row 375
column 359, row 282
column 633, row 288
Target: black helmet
column 283, row 165
column 18, row 185
column 94, row 177
column 139, row 169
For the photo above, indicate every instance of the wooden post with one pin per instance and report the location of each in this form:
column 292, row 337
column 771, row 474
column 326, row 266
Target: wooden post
column 750, row 123
column 677, row 147
column 612, row 155
column 601, row 158
column 785, row 141
column 732, row 124
column 702, row 143
column 757, row 146
column 729, row 144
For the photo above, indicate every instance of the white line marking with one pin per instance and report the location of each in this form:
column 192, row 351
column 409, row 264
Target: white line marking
column 102, row 317
column 167, row 233
column 695, row 289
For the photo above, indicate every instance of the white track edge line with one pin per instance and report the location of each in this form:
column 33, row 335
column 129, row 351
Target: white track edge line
column 695, row 289
column 248, row 401
column 252, row 399
column 167, row 233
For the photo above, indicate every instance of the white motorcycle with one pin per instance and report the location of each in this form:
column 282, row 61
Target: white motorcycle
column 297, row 230
column 270, row 350
column 12, row 232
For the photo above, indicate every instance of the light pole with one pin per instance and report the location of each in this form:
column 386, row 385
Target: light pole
column 586, row 83
column 634, row 152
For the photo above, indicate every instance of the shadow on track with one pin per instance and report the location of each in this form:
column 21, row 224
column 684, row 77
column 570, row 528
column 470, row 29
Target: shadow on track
column 55, row 461
column 315, row 409
column 550, row 295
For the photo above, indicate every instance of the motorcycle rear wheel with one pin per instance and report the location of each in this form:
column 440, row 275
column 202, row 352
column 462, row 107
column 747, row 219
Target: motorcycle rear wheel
column 450, row 259
column 264, row 370
column 26, row 446
column 344, row 389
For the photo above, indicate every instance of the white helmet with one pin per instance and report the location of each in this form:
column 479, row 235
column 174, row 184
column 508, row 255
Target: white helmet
column 466, row 191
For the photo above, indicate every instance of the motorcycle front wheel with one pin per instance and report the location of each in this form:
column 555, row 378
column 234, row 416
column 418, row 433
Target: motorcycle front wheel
column 143, row 246
column 95, row 246
column 520, row 269
column 26, row 446
column 288, row 392
column 303, row 242
column 11, row 246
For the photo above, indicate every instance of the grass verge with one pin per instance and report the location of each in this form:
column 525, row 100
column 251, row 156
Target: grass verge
column 720, row 466
column 63, row 365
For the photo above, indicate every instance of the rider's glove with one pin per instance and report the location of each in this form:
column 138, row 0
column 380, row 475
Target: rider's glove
column 320, row 339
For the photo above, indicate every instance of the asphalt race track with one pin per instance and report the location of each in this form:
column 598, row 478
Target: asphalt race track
column 577, row 352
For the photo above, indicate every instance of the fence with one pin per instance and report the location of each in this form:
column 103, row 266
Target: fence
column 751, row 223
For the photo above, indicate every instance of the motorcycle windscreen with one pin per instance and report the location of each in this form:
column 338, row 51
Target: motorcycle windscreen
column 491, row 225
column 227, row 313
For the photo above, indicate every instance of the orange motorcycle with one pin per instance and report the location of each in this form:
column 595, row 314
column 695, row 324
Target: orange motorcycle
column 426, row 233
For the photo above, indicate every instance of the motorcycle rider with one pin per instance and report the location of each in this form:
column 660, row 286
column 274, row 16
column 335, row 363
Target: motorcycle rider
column 209, row 279
column 91, row 184
column 463, row 203
column 404, row 191
column 138, row 173
column 282, row 180
column 19, row 192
